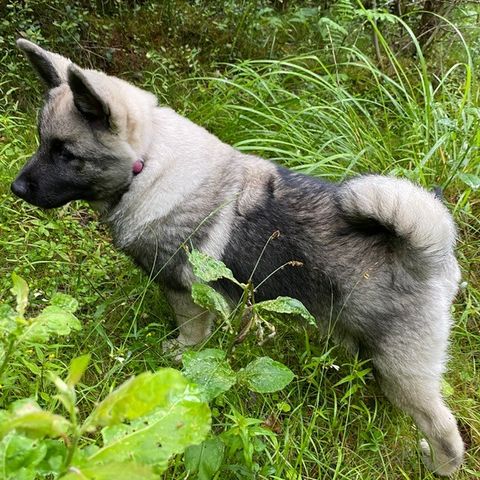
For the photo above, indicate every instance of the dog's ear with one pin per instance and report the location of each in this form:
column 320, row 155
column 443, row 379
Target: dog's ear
column 87, row 98
column 51, row 67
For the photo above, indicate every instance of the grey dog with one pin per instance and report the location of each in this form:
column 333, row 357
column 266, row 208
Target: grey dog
column 378, row 271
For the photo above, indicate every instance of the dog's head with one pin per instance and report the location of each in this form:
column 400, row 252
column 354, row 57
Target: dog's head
column 93, row 129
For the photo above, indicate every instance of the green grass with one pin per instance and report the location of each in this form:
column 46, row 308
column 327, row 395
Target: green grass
column 325, row 118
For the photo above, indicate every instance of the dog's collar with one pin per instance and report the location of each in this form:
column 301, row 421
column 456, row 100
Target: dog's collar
column 137, row 166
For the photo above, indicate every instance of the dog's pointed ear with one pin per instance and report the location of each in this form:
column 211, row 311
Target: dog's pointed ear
column 51, row 67
column 87, row 99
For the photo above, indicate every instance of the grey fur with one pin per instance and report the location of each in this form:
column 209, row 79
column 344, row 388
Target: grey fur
column 378, row 267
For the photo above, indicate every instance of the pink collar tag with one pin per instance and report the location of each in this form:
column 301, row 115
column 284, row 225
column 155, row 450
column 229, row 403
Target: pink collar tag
column 137, row 167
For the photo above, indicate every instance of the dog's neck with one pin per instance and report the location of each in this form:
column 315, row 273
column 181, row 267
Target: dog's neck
column 179, row 158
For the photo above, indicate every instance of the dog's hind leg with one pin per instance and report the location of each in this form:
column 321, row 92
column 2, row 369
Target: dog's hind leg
column 194, row 323
column 409, row 373
column 443, row 448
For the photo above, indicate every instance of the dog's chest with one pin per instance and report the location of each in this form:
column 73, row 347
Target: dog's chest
column 159, row 249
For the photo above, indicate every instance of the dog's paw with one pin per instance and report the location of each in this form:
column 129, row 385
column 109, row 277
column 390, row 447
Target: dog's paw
column 426, row 454
column 175, row 347
column 442, row 466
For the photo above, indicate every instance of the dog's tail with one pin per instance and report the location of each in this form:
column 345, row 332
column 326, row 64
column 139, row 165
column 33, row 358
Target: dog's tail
column 420, row 223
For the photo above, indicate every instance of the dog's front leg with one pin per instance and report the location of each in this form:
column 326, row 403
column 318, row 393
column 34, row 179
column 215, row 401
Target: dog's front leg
column 194, row 323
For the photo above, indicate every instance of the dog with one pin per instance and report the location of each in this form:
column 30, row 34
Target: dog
column 377, row 253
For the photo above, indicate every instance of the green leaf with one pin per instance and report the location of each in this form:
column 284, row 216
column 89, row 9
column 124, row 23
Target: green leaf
column 52, row 321
column 139, row 396
column 114, row 470
column 65, row 302
column 8, row 322
column 180, row 419
column 285, row 305
column 205, row 459
column 284, row 407
column 265, row 375
column 447, row 389
column 77, row 369
column 20, row 456
column 54, row 460
column 350, row 391
column 35, row 369
column 356, row 375
column 471, row 180
column 376, row 15
column 20, row 290
column 28, row 418
column 209, row 370
column 328, row 24
column 208, row 298
column 65, row 393
column 207, row 268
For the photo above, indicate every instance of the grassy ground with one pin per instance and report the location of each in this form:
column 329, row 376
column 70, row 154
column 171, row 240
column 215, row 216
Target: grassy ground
column 326, row 115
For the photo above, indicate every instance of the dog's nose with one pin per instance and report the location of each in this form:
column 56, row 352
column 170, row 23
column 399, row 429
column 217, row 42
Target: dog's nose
column 20, row 187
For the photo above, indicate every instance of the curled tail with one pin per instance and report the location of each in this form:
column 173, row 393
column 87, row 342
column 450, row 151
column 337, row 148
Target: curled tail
column 421, row 223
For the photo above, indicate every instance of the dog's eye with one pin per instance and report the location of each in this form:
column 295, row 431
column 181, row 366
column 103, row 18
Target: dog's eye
column 59, row 150
column 66, row 155
column 56, row 146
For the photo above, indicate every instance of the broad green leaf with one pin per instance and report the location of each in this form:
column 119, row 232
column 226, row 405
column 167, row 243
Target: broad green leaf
column 210, row 370
column 114, row 470
column 54, row 460
column 20, row 456
column 18, row 407
column 139, row 396
column 181, row 419
column 65, row 302
column 28, row 418
column 8, row 322
column 77, row 369
column 285, row 305
column 205, row 459
column 20, row 290
column 207, row 268
column 52, row 321
column 265, row 375
column 471, row 180
column 153, row 439
column 208, row 298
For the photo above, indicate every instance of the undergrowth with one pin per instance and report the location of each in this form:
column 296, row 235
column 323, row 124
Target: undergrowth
column 332, row 113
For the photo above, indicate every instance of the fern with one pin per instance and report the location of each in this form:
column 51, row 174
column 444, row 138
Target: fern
column 342, row 11
column 335, row 27
column 377, row 15
column 331, row 30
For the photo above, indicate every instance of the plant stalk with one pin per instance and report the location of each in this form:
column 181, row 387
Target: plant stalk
column 7, row 355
